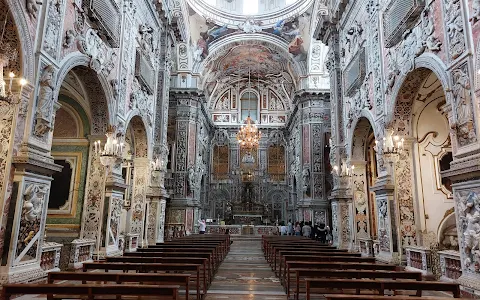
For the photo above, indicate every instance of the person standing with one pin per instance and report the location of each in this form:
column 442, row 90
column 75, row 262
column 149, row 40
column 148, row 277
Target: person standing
column 283, row 229
column 307, row 230
column 290, row 227
column 203, row 226
column 298, row 229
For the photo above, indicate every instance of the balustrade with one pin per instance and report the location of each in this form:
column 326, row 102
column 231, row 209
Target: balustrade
column 81, row 252
column 50, row 260
column 450, row 265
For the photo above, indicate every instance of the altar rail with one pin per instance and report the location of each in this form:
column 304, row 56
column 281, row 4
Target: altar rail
column 258, row 230
column 450, row 265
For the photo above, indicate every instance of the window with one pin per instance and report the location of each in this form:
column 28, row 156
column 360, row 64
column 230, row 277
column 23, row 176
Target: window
column 249, row 102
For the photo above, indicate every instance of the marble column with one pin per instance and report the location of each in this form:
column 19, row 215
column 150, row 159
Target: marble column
column 114, row 195
column 360, row 202
column 186, row 195
column 342, row 213
column 139, row 193
column 388, row 231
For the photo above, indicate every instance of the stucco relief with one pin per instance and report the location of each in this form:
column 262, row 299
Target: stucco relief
column 463, row 106
column 138, row 198
column 103, row 58
column 52, row 35
column 34, row 197
column 383, row 224
column 116, row 212
column 454, row 28
column 335, row 223
column 468, row 222
column 44, row 112
column 93, row 197
column 404, row 182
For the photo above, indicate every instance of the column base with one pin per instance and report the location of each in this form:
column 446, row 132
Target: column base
column 31, row 274
column 470, row 285
column 388, row 257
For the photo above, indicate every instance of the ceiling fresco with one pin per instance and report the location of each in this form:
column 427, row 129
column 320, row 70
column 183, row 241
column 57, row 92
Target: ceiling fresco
column 259, row 60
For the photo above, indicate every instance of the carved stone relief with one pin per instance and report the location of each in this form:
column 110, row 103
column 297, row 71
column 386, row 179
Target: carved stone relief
column 103, row 58
column 54, row 22
column 454, row 28
column 468, row 223
column 404, row 182
column 44, row 112
column 463, row 106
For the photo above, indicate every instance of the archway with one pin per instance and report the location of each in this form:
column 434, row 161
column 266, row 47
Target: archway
column 363, row 159
column 421, row 198
column 136, row 172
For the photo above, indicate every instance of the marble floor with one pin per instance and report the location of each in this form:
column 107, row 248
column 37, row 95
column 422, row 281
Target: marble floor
column 245, row 274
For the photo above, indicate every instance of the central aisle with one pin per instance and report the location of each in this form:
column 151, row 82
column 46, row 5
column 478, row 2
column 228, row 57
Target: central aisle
column 245, row 274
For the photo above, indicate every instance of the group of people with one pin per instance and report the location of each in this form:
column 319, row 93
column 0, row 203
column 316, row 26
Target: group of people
column 319, row 232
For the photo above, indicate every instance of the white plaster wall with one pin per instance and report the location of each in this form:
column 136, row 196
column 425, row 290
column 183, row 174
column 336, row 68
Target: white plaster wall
column 431, row 200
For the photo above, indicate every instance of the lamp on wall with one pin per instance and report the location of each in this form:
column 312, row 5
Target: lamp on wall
column 112, row 151
column 8, row 54
column 344, row 170
column 392, row 144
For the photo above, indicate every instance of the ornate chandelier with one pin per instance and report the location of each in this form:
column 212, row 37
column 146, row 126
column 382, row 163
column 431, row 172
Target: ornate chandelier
column 249, row 136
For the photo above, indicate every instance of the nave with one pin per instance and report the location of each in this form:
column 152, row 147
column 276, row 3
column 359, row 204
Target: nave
column 212, row 267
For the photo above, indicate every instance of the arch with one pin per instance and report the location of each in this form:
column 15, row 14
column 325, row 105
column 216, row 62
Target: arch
column 410, row 82
column 99, row 91
column 136, row 113
column 359, row 135
column 136, row 127
column 27, row 51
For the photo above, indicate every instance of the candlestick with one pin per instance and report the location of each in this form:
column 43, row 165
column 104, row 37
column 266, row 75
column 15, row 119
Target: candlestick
column 11, row 75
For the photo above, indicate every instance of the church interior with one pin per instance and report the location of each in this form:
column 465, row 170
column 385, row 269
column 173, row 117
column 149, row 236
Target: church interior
column 242, row 149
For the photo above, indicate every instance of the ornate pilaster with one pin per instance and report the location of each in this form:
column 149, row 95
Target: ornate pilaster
column 387, row 232
column 342, row 213
column 139, row 194
column 360, row 201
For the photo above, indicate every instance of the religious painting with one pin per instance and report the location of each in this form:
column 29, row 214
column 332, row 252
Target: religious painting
column 296, row 32
column 257, row 60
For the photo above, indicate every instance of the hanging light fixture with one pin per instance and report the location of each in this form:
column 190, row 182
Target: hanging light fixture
column 249, row 136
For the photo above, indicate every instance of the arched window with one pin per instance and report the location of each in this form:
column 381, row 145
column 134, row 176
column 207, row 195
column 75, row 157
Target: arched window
column 249, row 102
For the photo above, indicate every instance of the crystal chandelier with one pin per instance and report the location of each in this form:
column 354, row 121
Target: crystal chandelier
column 249, row 136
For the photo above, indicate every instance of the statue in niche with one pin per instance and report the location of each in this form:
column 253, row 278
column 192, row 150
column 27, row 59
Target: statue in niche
column 461, row 93
column 146, row 38
column 45, row 101
column 306, row 178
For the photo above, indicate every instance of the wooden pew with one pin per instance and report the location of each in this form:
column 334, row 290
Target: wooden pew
column 90, row 290
column 350, row 274
column 156, row 267
column 285, row 279
column 119, row 278
column 273, row 248
column 215, row 257
column 324, row 258
column 209, row 256
column 222, row 244
column 176, row 260
column 381, row 285
column 278, row 256
column 376, row 297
